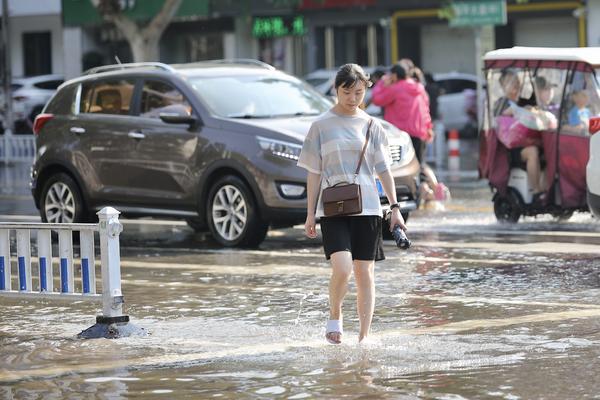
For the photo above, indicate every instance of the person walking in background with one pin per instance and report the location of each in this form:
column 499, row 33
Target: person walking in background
column 406, row 106
column 330, row 154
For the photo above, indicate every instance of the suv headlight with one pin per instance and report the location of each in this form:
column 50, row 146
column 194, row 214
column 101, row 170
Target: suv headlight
column 279, row 148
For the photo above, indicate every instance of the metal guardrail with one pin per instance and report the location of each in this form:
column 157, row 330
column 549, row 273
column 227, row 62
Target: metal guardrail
column 17, row 148
column 42, row 287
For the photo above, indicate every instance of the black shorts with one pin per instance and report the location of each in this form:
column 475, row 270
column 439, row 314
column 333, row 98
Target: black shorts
column 360, row 235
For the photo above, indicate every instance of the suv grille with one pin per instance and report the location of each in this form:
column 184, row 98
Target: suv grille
column 395, row 153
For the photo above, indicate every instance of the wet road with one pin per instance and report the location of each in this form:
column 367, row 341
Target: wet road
column 474, row 309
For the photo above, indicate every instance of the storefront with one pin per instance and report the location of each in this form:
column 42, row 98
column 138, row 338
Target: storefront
column 91, row 41
column 419, row 34
column 339, row 36
column 280, row 41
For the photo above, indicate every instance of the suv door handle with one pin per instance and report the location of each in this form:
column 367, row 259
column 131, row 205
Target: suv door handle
column 77, row 129
column 136, row 135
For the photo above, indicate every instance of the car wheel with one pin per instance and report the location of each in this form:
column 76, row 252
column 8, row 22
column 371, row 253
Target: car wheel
column 232, row 214
column 507, row 208
column 61, row 201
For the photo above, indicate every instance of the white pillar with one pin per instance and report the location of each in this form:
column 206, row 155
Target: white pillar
column 65, row 254
column 372, row 45
column 229, row 47
column 88, row 269
column 73, row 51
column 44, row 240
column 593, row 28
column 24, row 259
column 329, row 48
column 110, row 259
column 5, row 283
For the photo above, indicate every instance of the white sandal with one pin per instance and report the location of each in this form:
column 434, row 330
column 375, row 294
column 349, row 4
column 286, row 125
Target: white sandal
column 334, row 326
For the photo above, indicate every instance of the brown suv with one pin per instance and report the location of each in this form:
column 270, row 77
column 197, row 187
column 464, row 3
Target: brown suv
column 215, row 143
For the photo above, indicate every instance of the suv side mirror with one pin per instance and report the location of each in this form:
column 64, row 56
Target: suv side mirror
column 173, row 118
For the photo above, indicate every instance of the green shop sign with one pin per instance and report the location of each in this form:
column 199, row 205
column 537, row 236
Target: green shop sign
column 269, row 27
column 477, row 13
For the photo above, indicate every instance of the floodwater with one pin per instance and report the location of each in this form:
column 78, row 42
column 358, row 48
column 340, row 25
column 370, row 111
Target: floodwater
column 474, row 309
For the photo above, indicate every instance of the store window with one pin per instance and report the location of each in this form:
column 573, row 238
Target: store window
column 37, row 53
column 351, row 44
column 204, row 47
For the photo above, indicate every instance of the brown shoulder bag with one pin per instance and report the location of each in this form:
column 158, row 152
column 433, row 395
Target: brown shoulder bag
column 345, row 198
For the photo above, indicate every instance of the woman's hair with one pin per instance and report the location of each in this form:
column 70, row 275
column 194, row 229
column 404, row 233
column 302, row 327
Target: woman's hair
column 349, row 75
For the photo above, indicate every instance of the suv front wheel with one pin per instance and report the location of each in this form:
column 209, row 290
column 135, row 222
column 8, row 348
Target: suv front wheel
column 61, row 201
column 232, row 214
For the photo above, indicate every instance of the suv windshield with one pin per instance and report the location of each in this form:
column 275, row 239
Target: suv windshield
column 258, row 97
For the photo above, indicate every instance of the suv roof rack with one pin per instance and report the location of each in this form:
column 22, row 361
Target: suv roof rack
column 249, row 61
column 115, row 67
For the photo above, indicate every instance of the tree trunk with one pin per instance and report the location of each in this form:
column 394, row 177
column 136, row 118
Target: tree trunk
column 144, row 49
column 142, row 40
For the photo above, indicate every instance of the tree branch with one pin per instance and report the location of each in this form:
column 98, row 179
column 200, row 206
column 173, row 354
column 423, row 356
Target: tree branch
column 163, row 18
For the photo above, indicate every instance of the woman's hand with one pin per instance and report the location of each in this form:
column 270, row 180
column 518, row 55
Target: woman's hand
column 430, row 135
column 310, row 229
column 397, row 219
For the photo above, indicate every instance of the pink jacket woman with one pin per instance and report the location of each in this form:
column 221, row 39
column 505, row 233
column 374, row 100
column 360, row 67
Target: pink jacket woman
column 406, row 105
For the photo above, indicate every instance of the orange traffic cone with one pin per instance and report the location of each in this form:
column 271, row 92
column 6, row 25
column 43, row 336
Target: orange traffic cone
column 453, row 150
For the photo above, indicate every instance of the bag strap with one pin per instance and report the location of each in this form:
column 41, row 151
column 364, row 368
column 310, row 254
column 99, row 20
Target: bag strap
column 362, row 154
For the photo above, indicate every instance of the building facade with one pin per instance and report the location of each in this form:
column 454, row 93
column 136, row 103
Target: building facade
column 36, row 37
column 298, row 36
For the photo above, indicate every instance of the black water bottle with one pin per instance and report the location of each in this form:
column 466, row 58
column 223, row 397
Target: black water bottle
column 398, row 234
column 400, row 237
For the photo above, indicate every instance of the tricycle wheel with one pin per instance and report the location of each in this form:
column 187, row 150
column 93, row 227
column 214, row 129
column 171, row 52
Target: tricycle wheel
column 563, row 215
column 507, row 208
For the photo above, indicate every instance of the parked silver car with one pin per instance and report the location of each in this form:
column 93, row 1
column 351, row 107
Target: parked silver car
column 30, row 95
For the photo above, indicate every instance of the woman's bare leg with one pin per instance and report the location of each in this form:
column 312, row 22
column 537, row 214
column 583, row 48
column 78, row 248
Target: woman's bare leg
column 531, row 156
column 364, row 274
column 341, row 268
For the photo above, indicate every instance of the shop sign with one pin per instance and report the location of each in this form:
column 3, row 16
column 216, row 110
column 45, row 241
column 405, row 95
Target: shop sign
column 477, row 13
column 268, row 27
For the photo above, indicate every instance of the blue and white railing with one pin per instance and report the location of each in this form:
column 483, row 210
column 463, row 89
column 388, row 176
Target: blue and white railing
column 44, row 282
column 108, row 229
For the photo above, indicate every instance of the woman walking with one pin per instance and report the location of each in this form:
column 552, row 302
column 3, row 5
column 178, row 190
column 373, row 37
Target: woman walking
column 330, row 154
